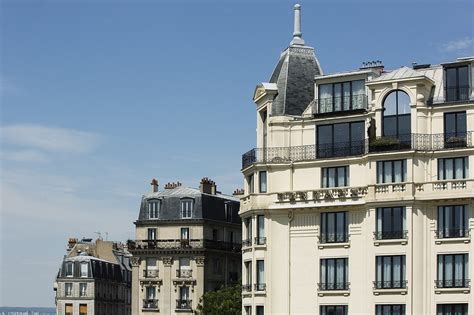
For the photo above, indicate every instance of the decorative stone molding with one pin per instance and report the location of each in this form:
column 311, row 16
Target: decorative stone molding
column 135, row 261
column 167, row 261
column 200, row 260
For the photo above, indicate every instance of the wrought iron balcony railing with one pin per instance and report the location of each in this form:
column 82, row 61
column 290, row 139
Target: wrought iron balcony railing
column 457, row 93
column 260, row 287
column 339, row 104
column 183, row 244
column 414, row 141
column 333, row 286
column 391, row 235
column 452, row 233
column 456, row 283
column 150, row 303
column 183, row 304
column 184, row 273
column 150, row 273
column 247, row 288
column 327, row 238
column 260, row 240
column 247, row 243
column 391, row 284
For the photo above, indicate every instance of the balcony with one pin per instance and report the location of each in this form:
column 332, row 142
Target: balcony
column 333, row 286
column 180, row 244
column 414, row 141
column 452, row 233
column 391, row 235
column 456, row 283
column 183, row 304
column 329, row 238
column 150, row 273
column 340, row 105
column 393, row 284
column 260, row 240
column 184, row 273
column 247, row 243
column 150, row 304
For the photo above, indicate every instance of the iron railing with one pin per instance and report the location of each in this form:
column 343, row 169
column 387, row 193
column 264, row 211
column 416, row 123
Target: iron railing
column 340, row 104
column 457, row 93
column 150, row 303
column 247, row 243
column 183, row 244
column 260, row 287
column 150, row 273
column 452, row 233
column 332, row 286
column 184, row 273
column 326, row 238
column 260, row 240
column 391, row 284
column 391, row 235
column 247, row 288
column 183, row 304
column 455, row 283
column 413, row 141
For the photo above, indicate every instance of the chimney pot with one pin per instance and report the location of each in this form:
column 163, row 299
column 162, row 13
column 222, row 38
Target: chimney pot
column 154, row 185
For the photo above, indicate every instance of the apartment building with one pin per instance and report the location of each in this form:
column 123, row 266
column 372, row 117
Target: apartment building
column 188, row 242
column 94, row 279
column 359, row 196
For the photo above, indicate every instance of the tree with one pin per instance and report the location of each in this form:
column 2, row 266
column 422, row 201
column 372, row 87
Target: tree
column 226, row 301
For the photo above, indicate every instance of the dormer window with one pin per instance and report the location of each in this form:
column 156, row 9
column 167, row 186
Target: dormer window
column 457, row 83
column 187, row 208
column 341, row 96
column 154, row 209
column 69, row 269
column 84, row 270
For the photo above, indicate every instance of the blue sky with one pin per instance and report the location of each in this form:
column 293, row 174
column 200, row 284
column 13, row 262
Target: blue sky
column 98, row 97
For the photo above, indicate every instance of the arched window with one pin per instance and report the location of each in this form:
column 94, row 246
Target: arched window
column 396, row 115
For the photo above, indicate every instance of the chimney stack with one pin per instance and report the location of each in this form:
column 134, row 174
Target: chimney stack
column 172, row 185
column 238, row 192
column 154, row 185
column 208, row 186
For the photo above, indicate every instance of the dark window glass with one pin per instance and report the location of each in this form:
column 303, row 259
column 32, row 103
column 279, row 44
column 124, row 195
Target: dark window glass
column 260, row 310
column 250, row 183
column 453, row 221
column 390, row 272
column 152, row 234
column 390, row 309
column 341, row 96
column 391, row 171
column 452, row 309
column 457, row 83
column 396, row 115
column 455, row 129
column 334, row 227
column 262, row 181
column 342, row 139
column 453, row 271
column 333, row 309
column 390, row 223
column 334, row 274
column 453, row 168
column 335, row 176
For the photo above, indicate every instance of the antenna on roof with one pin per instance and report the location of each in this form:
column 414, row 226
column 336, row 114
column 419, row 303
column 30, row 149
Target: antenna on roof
column 297, row 40
column 99, row 235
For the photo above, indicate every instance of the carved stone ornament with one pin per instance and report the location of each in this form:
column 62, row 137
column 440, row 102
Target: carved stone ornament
column 200, row 260
column 167, row 261
column 135, row 261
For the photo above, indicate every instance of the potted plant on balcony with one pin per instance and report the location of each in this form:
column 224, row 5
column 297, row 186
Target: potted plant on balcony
column 455, row 142
column 384, row 144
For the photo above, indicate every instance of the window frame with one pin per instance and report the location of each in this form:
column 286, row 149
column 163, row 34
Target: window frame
column 262, row 182
column 442, row 167
column 382, row 163
column 450, row 308
column 86, row 264
column 67, row 265
column 325, row 171
column 82, row 291
column 154, row 209
column 396, row 115
column 465, row 270
column 345, row 275
column 152, row 231
column 341, row 97
column 380, row 215
column 325, row 224
column 456, row 85
column 462, row 217
column 187, row 208
column 325, row 309
column 380, row 260
column 379, row 309
column 68, row 292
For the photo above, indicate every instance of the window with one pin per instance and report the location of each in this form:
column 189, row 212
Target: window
column 250, row 183
column 333, row 310
column 151, row 268
column 260, row 286
column 184, row 237
column 248, row 273
column 185, row 270
column 391, row 171
column 342, row 139
column 82, row 309
column 68, row 310
column 452, row 309
column 453, row 221
column 153, row 209
column 260, row 310
column 248, row 310
column 152, row 234
column 69, row 266
column 453, row 271
column 455, row 128
column 260, row 239
column 262, row 181
column 334, row 227
column 150, row 293
column 452, row 168
column 457, row 83
column 184, row 302
column 186, row 209
column 68, row 289
column 228, row 211
column 390, row 309
column 335, row 176
column 248, row 230
column 231, row 237
column 396, row 116
column 341, row 96
column 334, row 274
column 84, row 270
column 390, row 272
column 82, row 289
column 390, row 223
column 263, row 116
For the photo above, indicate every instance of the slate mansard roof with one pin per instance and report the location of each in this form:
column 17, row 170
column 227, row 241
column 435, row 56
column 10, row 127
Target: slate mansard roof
column 205, row 206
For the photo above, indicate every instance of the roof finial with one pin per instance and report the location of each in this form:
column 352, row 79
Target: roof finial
column 297, row 40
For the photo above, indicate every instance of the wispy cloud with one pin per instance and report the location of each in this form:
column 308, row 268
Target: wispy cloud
column 24, row 156
column 462, row 44
column 49, row 139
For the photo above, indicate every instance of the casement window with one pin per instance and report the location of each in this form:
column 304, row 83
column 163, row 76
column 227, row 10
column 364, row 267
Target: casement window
column 82, row 289
column 453, row 168
column 341, row 96
column 151, row 270
column 154, row 209
column 248, row 229
column 453, row 221
column 248, row 274
column 334, row 274
column 184, row 302
column 228, row 211
column 68, row 310
column 151, row 234
column 185, row 234
column 69, row 269
column 150, row 293
column 455, row 129
column 185, row 270
column 259, row 309
column 390, row 272
column 393, row 171
column 68, row 289
column 390, row 309
column 335, row 176
column 452, row 309
column 248, row 310
column 333, row 310
column 457, row 83
column 390, row 223
column 187, row 208
column 453, row 271
column 334, row 227
column 260, row 239
column 250, row 183
column 82, row 309
column 262, row 181
column 260, row 285
column 84, row 270
column 343, row 139
column 396, row 116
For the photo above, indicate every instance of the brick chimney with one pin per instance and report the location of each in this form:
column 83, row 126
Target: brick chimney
column 172, row 185
column 154, row 185
column 238, row 192
column 208, row 186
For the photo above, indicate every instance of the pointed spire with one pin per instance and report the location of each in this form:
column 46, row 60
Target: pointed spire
column 297, row 40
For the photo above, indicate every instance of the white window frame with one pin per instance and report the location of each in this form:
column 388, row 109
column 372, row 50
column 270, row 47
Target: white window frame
column 86, row 265
column 66, row 291
column 154, row 207
column 82, row 289
column 69, row 264
column 187, row 206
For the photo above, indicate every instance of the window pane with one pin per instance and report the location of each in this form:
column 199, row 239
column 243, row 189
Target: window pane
column 461, row 122
column 398, row 171
column 357, row 131
column 448, row 168
column 347, row 96
column 325, row 98
column 403, row 103
column 390, row 126
column 331, row 177
column 263, row 181
column 450, row 123
column 390, row 104
column 325, row 134
column 388, row 172
column 341, row 133
column 404, row 126
column 341, row 176
column 459, row 168
column 337, row 97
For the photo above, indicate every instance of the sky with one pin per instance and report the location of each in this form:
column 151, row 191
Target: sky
column 99, row 97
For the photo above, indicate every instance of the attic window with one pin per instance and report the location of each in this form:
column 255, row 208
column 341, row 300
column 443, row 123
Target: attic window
column 187, row 208
column 69, row 269
column 154, row 209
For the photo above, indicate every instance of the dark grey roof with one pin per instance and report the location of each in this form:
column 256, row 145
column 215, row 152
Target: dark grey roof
column 294, row 76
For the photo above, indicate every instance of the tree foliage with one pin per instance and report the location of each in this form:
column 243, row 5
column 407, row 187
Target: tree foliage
column 226, row 301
